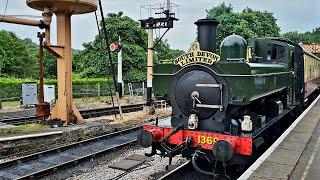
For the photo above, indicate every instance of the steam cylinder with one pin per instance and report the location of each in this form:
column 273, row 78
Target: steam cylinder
column 207, row 34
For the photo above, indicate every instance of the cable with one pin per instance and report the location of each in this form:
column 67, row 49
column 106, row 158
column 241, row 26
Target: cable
column 106, row 37
column 5, row 10
column 108, row 84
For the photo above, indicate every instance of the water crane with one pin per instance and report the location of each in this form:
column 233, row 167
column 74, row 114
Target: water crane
column 64, row 110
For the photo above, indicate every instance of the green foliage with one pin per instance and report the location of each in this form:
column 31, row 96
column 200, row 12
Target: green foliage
column 24, row 129
column 50, row 65
column 11, row 87
column 92, row 61
column 248, row 23
column 306, row 38
column 17, row 57
column 163, row 51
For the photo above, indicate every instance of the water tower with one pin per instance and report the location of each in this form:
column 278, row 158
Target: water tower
column 64, row 110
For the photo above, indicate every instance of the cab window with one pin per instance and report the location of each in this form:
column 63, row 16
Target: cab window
column 275, row 53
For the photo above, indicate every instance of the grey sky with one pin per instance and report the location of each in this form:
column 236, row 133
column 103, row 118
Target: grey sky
column 300, row 15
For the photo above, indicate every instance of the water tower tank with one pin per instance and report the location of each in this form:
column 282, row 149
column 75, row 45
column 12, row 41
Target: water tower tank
column 68, row 6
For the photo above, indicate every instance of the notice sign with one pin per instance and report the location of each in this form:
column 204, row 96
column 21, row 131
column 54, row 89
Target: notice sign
column 195, row 55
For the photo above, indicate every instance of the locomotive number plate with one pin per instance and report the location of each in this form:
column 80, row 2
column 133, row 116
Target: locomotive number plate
column 206, row 139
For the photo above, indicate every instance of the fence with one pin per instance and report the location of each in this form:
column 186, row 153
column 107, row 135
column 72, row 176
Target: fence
column 102, row 89
column 86, row 91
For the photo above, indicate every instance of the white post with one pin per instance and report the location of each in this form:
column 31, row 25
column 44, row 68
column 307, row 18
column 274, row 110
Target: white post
column 98, row 87
column 143, row 91
column 149, row 66
column 120, row 80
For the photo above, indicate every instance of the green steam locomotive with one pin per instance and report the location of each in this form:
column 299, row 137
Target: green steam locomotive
column 224, row 106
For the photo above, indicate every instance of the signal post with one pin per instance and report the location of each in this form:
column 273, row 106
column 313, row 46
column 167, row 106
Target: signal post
column 151, row 23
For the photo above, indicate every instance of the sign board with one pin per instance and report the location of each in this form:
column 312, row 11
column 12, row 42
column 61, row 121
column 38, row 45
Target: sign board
column 29, row 94
column 113, row 46
column 49, row 93
column 195, row 55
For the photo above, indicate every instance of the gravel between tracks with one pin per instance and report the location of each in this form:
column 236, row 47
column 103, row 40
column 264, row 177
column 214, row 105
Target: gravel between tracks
column 148, row 170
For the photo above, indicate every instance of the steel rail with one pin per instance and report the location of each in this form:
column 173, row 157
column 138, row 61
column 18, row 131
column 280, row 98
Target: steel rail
column 88, row 113
column 46, row 162
column 175, row 172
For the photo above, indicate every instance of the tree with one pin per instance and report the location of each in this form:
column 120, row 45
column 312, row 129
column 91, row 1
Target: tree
column 164, row 52
column 306, row 38
column 92, row 61
column 17, row 57
column 248, row 23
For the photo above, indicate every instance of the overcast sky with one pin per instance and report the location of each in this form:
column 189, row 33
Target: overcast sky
column 297, row 15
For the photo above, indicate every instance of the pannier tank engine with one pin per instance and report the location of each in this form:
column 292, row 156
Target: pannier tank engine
column 223, row 107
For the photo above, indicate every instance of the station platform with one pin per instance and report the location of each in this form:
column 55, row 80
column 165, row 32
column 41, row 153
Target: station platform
column 295, row 154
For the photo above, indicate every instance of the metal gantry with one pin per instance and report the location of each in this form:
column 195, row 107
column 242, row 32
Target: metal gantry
column 165, row 18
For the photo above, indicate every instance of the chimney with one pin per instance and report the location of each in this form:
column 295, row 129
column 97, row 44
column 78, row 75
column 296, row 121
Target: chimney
column 207, row 34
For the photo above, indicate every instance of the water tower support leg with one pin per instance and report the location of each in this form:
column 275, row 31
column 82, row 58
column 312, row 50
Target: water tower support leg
column 65, row 110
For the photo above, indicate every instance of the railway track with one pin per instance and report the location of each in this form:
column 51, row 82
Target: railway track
column 46, row 162
column 186, row 171
column 175, row 173
column 88, row 113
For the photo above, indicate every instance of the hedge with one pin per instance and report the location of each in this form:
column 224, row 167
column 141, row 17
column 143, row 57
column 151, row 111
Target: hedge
column 11, row 87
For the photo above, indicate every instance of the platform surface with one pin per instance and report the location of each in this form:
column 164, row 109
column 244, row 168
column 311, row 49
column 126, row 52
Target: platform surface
column 297, row 156
column 308, row 166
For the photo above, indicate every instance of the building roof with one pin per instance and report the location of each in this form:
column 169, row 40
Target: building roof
column 313, row 48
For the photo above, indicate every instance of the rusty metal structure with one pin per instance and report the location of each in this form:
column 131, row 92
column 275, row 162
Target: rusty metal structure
column 64, row 110
column 43, row 108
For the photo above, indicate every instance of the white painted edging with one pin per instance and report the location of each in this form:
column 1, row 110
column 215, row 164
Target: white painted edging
column 266, row 154
column 29, row 136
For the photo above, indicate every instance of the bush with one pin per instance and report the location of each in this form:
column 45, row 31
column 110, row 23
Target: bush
column 11, row 87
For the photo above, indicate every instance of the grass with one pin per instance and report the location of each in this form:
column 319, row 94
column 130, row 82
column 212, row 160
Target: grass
column 24, row 129
column 142, row 115
column 90, row 100
column 83, row 100
column 9, row 104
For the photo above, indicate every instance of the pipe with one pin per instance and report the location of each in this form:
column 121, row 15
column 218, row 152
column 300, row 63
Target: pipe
column 207, row 34
column 41, row 67
column 27, row 22
column 168, row 6
column 196, row 167
column 47, row 18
